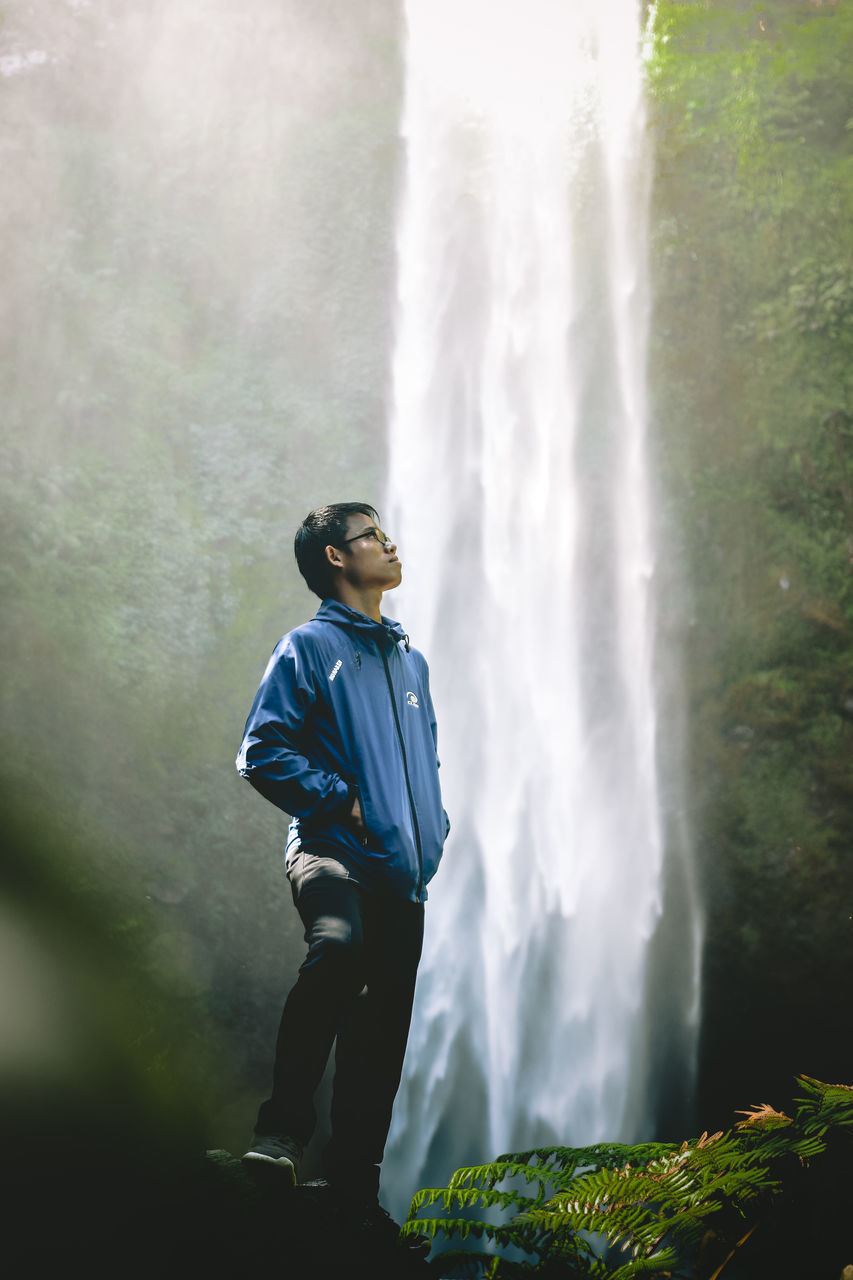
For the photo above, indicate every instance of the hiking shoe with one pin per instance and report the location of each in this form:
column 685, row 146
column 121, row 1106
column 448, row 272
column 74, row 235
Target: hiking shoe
column 270, row 1148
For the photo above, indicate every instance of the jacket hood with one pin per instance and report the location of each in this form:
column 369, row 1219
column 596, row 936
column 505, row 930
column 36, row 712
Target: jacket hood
column 388, row 631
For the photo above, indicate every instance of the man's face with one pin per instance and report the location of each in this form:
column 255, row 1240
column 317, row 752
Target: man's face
column 368, row 559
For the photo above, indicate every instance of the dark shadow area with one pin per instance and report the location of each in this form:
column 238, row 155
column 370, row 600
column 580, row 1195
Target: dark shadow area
column 106, row 1080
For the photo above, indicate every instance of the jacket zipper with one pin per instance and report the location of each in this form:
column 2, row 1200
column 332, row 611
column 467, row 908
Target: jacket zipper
column 406, row 773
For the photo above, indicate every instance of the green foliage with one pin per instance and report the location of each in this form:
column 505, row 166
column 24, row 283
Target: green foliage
column 752, row 388
column 673, row 1209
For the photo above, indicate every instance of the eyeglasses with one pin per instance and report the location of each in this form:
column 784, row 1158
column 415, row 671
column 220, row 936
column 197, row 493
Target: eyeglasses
column 372, row 532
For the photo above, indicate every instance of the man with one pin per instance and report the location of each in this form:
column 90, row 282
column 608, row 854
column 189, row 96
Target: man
column 342, row 736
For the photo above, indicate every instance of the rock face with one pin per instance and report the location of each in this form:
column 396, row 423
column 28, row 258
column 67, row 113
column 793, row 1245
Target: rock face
column 253, row 1220
column 104, row 1217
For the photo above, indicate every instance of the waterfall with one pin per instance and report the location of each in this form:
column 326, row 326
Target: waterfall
column 521, row 501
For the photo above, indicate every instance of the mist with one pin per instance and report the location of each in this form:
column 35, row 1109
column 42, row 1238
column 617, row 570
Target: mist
column 198, row 274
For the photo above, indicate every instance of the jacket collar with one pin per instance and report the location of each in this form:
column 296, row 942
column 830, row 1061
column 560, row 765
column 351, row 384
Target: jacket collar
column 386, row 632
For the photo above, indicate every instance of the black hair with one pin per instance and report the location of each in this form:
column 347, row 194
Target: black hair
column 327, row 526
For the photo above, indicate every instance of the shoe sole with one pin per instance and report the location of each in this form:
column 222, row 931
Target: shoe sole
column 286, row 1167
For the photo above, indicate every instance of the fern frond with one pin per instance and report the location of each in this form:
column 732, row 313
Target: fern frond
column 670, row 1198
column 657, row 1202
column 491, row 1175
column 656, row 1264
column 524, row 1236
column 601, row 1154
column 764, row 1116
column 484, row 1175
column 465, row 1197
column 559, row 1157
column 824, row 1106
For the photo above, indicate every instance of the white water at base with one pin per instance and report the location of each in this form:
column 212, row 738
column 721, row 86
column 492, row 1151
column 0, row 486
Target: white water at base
column 520, row 498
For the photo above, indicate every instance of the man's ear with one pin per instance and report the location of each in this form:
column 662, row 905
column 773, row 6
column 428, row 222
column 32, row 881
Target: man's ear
column 333, row 556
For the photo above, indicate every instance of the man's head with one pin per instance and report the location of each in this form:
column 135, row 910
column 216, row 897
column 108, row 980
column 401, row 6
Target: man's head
column 343, row 541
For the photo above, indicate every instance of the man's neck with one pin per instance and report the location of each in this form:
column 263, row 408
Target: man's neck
column 368, row 602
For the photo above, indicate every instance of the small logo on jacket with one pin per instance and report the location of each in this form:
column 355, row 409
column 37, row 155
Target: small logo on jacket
column 336, row 668
column 412, row 699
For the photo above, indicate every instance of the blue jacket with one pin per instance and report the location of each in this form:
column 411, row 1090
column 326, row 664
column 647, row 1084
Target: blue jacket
column 344, row 708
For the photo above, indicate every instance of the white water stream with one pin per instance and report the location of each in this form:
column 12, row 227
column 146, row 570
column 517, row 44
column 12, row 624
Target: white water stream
column 520, row 498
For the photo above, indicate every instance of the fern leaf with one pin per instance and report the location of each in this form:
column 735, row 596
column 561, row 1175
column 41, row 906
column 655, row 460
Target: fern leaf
column 522, row 1235
column 762, row 1115
column 490, row 1175
column 824, row 1106
column 656, row 1264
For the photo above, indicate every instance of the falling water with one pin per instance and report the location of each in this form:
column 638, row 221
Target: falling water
column 520, row 496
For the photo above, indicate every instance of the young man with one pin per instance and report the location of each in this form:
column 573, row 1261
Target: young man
column 342, row 736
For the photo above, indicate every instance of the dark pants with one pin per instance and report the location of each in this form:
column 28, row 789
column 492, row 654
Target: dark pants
column 356, row 985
